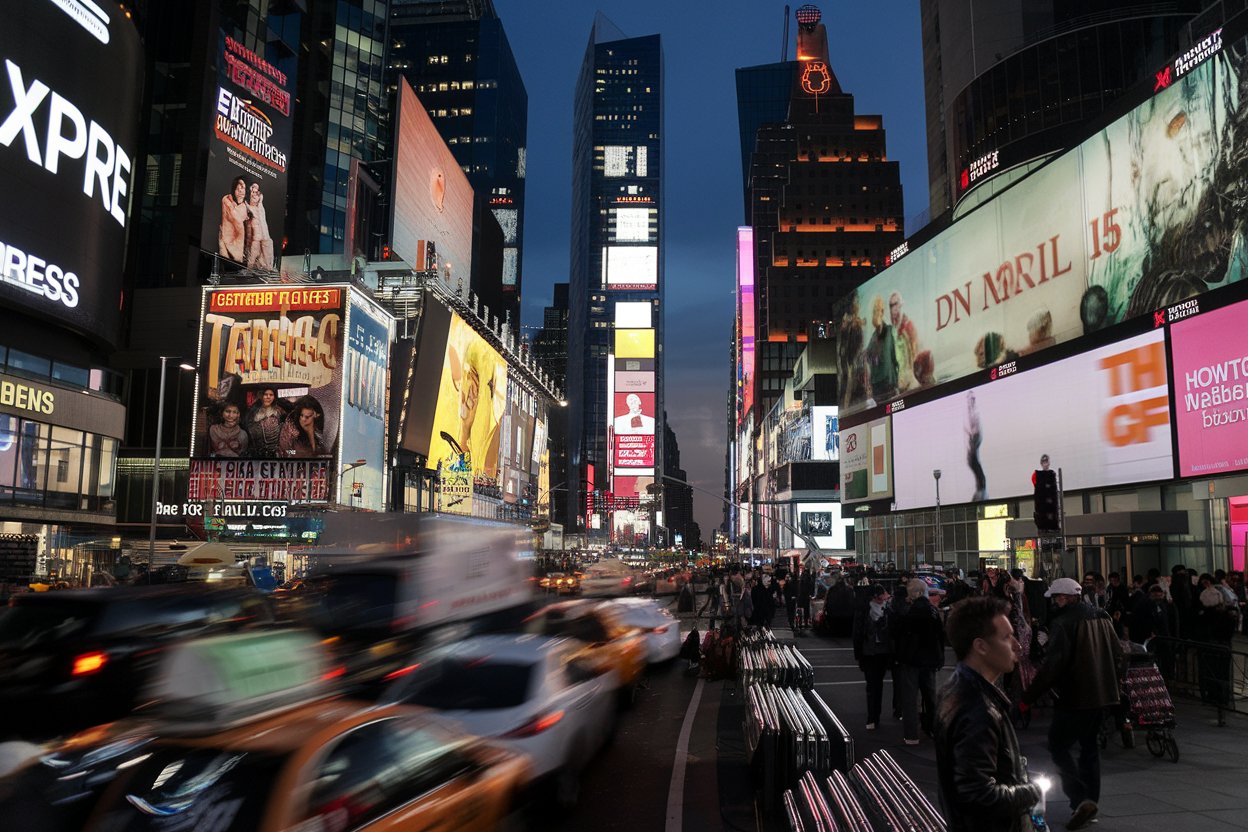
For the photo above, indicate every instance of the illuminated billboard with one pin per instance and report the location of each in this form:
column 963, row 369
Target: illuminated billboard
column 791, row 437
column 634, row 343
column 625, row 160
column 1211, row 391
column 824, row 444
column 823, row 523
column 987, row 441
column 516, row 445
column 866, row 462
column 472, row 398
column 432, row 196
column 633, row 314
column 1132, row 220
column 630, row 267
column 369, row 332
column 69, row 128
column 632, row 225
column 745, row 322
column 633, row 427
column 270, row 373
column 248, row 157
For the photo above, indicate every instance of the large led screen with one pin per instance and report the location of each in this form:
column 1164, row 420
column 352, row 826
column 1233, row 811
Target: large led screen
column 630, row 267
column 432, row 196
column 633, row 428
column 745, row 322
column 248, row 156
column 632, row 225
column 866, row 462
column 1211, row 391
column 472, row 397
column 369, row 330
column 824, row 444
column 1103, row 417
column 634, row 343
column 1134, row 219
column 823, row 523
column 69, row 126
column 270, row 373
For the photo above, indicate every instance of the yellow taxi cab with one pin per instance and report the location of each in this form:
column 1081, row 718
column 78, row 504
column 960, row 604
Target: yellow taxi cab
column 610, row 642
column 236, row 757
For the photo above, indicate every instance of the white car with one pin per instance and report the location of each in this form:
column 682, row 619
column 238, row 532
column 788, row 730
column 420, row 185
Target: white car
column 662, row 630
column 608, row 578
column 524, row 692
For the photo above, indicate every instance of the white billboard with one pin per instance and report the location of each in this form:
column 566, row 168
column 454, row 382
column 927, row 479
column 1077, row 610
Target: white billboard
column 824, row 524
column 633, row 314
column 824, row 444
column 630, row 267
column 632, row 225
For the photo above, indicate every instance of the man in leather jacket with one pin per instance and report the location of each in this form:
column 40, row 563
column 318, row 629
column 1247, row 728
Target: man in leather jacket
column 982, row 775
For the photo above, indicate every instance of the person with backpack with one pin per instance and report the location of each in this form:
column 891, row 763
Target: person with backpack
column 920, row 639
column 873, row 648
column 1082, row 666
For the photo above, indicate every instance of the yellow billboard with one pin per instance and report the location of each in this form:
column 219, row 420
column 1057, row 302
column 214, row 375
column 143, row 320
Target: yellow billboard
column 472, row 398
column 634, row 343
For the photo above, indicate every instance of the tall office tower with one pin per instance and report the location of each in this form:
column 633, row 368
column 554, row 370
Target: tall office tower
column 1006, row 91
column 824, row 211
column 550, row 349
column 677, row 496
column 615, row 315
column 457, row 58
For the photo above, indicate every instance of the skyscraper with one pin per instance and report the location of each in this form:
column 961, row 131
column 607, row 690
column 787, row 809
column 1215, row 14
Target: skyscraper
column 615, row 320
column 550, row 349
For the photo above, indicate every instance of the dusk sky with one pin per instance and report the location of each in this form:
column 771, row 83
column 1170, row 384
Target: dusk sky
column 875, row 53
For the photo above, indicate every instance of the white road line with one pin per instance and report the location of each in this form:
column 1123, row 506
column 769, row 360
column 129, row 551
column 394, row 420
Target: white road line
column 855, row 682
column 823, row 649
column 839, row 666
column 676, row 791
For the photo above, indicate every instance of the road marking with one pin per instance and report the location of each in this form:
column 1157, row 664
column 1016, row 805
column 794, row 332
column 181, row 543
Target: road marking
column 676, row 791
column 823, row 649
column 855, row 682
column 839, row 666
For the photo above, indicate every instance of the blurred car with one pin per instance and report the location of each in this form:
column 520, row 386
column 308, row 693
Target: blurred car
column 659, row 627
column 244, row 741
column 608, row 642
column 528, row 693
column 609, row 577
column 77, row 658
column 560, row 583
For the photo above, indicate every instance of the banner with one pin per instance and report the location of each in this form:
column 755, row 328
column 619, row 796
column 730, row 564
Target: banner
column 366, row 405
column 866, row 462
column 824, row 445
column 1210, row 355
column 455, row 484
column 1134, row 219
column 472, row 397
column 248, row 156
column 296, row 481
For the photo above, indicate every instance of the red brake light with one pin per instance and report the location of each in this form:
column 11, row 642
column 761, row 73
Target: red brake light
column 402, row 671
column 330, row 675
column 89, row 663
column 535, row 726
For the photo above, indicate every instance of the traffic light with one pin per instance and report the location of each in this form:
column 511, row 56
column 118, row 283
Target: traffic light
column 1046, row 516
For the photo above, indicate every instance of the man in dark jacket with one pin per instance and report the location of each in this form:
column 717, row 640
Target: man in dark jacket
column 873, row 649
column 982, row 776
column 1082, row 665
column 919, row 637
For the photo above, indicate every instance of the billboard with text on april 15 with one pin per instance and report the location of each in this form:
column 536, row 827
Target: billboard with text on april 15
column 1211, row 391
column 472, row 398
column 1134, row 219
column 987, row 441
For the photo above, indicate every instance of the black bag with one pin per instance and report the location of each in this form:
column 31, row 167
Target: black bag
column 692, row 648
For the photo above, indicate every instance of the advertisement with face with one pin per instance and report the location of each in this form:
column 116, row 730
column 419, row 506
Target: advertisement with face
column 1133, row 220
column 633, row 429
column 432, row 196
column 824, row 444
column 69, row 125
column 245, row 185
column 270, row 373
column 1211, row 391
column 472, row 398
column 364, row 415
column 866, row 462
column 824, row 524
column 987, row 441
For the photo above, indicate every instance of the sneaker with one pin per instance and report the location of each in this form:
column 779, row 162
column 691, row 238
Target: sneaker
column 870, row 726
column 911, row 742
column 1083, row 815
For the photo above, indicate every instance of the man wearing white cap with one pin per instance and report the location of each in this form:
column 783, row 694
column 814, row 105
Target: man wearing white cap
column 1081, row 667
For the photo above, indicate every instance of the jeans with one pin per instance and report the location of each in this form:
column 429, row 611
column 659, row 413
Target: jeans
column 1080, row 780
column 874, row 667
column 916, row 681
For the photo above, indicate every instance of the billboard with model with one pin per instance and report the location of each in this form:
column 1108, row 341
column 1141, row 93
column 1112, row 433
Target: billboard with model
column 1211, row 391
column 1134, row 219
column 472, row 397
column 988, row 440
column 69, row 125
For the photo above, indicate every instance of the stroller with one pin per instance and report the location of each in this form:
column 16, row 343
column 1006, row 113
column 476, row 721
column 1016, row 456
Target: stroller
column 1148, row 705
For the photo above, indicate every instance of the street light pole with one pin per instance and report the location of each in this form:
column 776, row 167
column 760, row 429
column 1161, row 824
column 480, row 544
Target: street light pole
column 940, row 542
column 160, row 429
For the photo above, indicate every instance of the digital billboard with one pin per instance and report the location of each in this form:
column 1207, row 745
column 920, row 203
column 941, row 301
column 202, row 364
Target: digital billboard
column 745, row 322
column 867, row 462
column 824, row 444
column 260, row 480
column 1211, row 390
column 634, row 343
column 432, row 196
column 1132, row 220
column 634, row 314
column 69, row 127
column 987, row 441
column 270, row 379
column 632, row 225
column 369, row 332
column 630, row 267
column 248, row 157
column 633, row 427
column 472, row 398
column 823, row 523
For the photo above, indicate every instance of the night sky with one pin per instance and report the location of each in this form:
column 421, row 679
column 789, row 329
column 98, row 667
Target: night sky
column 875, row 53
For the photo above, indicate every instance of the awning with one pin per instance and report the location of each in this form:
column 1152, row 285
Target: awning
column 1108, row 524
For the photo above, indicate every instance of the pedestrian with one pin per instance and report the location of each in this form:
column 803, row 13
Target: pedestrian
column 805, row 591
column 1081, row 667
column 713, row 598
column 1215, row 628
column 981, row 773
column 920, row 652
column 873, row 648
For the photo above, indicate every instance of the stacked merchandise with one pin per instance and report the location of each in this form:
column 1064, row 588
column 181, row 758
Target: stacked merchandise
column 877, row 795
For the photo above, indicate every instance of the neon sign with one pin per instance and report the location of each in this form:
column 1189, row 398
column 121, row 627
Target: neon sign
column 816, row 79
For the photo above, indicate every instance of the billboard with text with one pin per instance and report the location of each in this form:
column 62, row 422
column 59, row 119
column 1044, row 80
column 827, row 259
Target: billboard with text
column 1211, row 391
column 369, row 332
column 866, row 462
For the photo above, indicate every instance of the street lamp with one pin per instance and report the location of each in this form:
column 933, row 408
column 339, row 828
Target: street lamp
column 160, row 428
column 939, row 535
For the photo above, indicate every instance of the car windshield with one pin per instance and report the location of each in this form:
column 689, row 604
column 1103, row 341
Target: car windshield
column 463, row 684
column 23, row 626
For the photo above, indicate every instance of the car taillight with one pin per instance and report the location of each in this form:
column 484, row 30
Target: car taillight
column 626, row 581
column 402, row 671
column 535, row 726
column 330, row 675
column 89, row 663
column 660, row 630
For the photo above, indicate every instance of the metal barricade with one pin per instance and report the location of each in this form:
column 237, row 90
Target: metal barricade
column 1211, row 673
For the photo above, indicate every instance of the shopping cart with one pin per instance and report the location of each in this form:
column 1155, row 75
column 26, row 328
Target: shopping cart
column 1149, row 706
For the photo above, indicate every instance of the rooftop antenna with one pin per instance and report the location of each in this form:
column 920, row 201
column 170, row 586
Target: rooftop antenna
column 784, row 44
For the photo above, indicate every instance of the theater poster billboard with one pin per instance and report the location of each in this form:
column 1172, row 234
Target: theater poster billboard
column 369, row 330
column 248, row 156
column 269, row 378
column 1211, row 391
column 472, row 399
column 1136, row 218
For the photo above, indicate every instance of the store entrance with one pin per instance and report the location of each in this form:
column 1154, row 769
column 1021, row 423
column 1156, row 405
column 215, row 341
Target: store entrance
column 1239, row 530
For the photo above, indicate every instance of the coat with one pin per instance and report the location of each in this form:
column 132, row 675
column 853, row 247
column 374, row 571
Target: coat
column 1083, row 661
column 919, row 636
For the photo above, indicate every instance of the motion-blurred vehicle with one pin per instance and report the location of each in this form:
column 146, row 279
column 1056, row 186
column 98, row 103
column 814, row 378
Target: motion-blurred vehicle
column 560, row 583
column 243, row 741
column 609, row 577
column 659, row 627
column 529, row 693
column 609, row 643
column 77, row 658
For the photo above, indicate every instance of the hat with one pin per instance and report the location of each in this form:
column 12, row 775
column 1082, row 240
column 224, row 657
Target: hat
column 1211, row 597
column 1064, row 586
